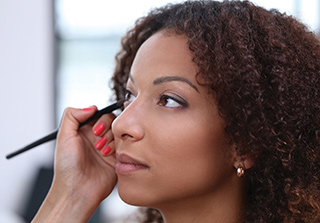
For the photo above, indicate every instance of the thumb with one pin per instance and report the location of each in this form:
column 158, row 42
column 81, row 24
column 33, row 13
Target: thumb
column 73, row 117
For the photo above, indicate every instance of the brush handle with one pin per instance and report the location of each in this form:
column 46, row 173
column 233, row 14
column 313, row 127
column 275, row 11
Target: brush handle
column 47, row 138
column 54, row 134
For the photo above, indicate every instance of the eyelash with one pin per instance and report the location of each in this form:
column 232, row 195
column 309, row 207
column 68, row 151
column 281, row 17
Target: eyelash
column 127, row 95
column 163, row 100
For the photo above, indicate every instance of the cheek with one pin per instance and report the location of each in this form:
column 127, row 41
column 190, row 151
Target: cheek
column 191, row 160
column 198, row 152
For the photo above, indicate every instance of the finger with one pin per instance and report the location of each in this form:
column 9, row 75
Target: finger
column 73, row 117
column 104, row 140
column 103, row 124
column 109, row 149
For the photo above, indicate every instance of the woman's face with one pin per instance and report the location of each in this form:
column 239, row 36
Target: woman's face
column 170, row 141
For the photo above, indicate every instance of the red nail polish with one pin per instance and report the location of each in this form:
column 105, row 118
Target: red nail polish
column 87, row 109
column 99, row 129
column 102, row 141
column 106, row 150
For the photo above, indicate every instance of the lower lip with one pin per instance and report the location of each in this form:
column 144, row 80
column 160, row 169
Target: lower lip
column 127, row 168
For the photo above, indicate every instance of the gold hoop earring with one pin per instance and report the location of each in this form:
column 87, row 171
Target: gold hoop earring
column 240, row 171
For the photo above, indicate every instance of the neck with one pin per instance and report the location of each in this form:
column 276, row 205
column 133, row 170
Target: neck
column 225, row 205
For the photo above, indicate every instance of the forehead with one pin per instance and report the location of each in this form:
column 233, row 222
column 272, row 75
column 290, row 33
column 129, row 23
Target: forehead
column 164, row 54
column 176, row 44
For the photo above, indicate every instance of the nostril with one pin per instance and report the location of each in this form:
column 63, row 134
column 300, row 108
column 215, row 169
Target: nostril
column 125, row 135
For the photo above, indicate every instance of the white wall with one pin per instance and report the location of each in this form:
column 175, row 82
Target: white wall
column 26, row 96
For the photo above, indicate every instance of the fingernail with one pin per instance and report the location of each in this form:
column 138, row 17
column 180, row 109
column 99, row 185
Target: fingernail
column 99, row 129
column 87, row 109
column 100, row 143
column 106, row 150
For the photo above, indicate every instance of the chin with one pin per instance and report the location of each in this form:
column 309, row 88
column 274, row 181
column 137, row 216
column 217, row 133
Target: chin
column 131, row 195
column 136, row 197
column 135, row 200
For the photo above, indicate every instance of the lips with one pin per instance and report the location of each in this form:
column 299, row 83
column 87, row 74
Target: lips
column 128, row 165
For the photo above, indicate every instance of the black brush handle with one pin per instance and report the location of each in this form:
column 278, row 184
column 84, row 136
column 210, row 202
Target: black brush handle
column 54, row 134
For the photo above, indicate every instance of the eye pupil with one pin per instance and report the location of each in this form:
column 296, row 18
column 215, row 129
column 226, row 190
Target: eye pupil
column 164, row 100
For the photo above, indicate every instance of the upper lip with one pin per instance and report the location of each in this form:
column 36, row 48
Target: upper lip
column 124, row 158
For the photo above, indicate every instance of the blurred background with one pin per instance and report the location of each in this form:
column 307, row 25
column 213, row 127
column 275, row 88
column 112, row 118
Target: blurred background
column 59, row 53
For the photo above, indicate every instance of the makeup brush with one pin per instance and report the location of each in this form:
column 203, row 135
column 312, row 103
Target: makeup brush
column 53, row 135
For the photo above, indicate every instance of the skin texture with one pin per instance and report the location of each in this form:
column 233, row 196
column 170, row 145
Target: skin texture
column 190, row 169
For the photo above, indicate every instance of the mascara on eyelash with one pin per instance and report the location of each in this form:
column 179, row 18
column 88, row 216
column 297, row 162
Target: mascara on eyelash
column 181, row 101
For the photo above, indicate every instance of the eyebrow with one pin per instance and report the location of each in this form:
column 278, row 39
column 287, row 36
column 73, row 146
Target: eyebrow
column 164, row 79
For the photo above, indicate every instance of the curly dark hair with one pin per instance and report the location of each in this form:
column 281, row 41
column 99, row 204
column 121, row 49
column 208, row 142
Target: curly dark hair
column 263, row 68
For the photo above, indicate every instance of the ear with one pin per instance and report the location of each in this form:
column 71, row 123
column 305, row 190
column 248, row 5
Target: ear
column 244, row 161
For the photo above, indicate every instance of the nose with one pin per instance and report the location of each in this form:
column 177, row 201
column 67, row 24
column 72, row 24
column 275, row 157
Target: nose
column 129, row 124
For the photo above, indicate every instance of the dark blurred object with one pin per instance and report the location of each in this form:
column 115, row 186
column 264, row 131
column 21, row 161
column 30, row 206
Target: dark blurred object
column 38, row 193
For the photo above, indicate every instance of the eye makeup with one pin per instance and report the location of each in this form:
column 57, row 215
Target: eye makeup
column 165, row 100
column 172, row 101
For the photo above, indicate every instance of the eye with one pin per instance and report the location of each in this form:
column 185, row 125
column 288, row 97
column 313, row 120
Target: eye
column 129, row 97
column 171, row 102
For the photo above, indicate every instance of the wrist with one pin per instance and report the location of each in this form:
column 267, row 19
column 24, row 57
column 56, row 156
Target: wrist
column 72, row 209
column 65, row 207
